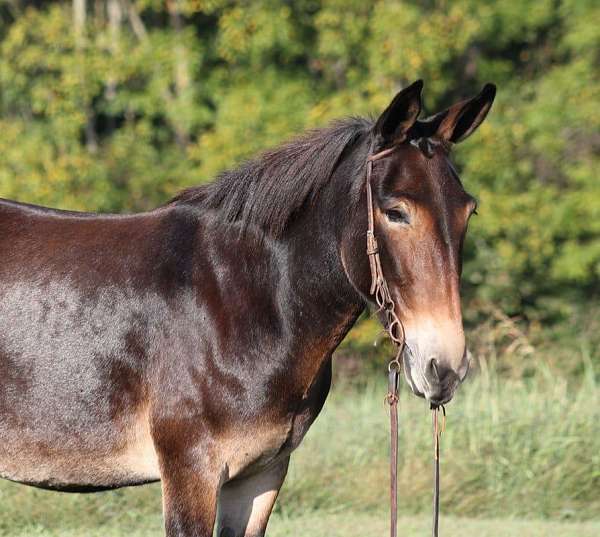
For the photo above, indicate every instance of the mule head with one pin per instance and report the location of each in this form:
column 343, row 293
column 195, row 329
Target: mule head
column 421, row 212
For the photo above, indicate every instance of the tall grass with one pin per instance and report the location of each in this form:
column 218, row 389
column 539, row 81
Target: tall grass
column 527, row 448
column 512, row 448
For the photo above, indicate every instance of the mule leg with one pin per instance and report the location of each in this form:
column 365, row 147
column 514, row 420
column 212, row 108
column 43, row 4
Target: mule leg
column 245, row 504
column 189, row 498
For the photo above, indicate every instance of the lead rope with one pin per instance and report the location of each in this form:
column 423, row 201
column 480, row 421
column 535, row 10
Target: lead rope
column 385, row 303
column 437, row 432
column 392, row 400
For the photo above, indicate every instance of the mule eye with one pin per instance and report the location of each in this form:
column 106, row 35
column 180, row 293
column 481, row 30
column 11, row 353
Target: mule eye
column 397, row 215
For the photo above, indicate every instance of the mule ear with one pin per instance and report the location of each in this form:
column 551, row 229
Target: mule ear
column 400, row 115
column 460, row 121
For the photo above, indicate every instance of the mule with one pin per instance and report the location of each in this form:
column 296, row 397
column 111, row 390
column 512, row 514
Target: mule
column 192, row 344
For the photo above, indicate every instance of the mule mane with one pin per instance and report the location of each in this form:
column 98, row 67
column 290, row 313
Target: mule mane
column 266, row 192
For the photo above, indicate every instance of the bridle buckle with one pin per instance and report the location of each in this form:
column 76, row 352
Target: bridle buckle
column 372, row 246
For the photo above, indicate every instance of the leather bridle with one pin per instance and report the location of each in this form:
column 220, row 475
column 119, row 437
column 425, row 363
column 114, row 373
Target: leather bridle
column 379, row 286
column 395, row 330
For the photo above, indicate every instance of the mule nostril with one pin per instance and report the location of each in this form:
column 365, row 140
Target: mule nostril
column 441, row 381
column 439, row 373
column 432, row 368
column 464, row 366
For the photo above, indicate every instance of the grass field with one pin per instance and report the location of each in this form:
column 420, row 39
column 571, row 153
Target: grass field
column 519, row 458
column 319, row 524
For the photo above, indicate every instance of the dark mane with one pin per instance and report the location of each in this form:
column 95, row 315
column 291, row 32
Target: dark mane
column 265, row 192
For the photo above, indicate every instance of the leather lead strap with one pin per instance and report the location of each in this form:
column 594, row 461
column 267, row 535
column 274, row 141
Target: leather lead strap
column 394, row 327
column 379, row 288
column 392, row 397
column 436, row 476
column 436, row 465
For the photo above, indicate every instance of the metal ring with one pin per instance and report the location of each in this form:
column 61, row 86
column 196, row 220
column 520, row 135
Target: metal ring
column 394, row 365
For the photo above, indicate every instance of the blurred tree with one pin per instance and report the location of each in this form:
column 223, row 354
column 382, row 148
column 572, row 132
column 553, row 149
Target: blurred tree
column 114, row 105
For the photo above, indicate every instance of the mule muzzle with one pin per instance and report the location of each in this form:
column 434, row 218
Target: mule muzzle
column 432, row 378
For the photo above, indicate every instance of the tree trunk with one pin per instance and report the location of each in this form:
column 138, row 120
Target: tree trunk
column 181, row 73
column 79, row 20
column 115, row 17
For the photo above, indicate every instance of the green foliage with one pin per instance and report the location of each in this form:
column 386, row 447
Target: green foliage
column 120, row 108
